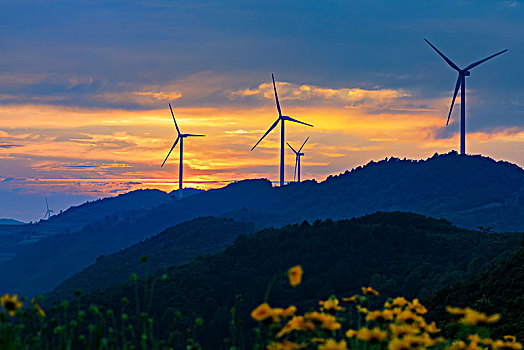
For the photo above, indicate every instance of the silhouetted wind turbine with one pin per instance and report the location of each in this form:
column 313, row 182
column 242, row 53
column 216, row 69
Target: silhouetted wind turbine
column 461, row 83
column 48, row 211
column 282, row 132
column 297, row 161
column 180, row 137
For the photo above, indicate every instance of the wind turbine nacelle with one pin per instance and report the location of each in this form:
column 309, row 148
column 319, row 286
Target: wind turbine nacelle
column 467, row 73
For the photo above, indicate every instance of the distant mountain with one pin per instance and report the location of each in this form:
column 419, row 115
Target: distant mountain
column 77, row 217
column 16, row 238
column 10, row 222
column 500, row 289
column 173, row 246
column 397, row 253
column 469, row 191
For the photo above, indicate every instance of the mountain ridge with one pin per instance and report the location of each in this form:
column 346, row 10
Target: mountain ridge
column 437, row 187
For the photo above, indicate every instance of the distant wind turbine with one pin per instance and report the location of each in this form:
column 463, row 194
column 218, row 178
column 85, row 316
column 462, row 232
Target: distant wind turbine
column 461, row 83
column 297, row 161
column 180, row 137
column 48, row 211
column 282, row 132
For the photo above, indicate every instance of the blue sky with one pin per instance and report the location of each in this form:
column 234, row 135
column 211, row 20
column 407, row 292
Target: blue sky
column 68, row 68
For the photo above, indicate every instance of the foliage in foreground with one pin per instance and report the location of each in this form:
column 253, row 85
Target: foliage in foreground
column 354, row 322
column 400, row 254
column 498, row 289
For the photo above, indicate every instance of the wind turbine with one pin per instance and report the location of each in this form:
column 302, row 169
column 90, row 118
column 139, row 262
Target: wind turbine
column 180, row 137
column 297, row 162
column 48, row 211
column 461, row 83
column 282, row 118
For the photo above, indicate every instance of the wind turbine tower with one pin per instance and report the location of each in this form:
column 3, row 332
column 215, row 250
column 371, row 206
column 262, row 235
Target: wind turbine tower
column 461, row 83
column 180, row 137
column 297, row 161
column 48, row 211
column 281, row 118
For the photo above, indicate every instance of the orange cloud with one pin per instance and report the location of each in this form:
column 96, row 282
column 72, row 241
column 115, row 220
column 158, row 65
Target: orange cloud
column 111, row 150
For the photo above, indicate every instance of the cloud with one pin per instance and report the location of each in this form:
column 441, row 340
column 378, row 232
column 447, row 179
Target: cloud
column 310, row 95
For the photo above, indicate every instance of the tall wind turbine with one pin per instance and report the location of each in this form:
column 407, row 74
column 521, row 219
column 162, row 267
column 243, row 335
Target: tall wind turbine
column 297, row 161
column 282, row 118
column 461, row 83
column 180, row 137
column 48, row 211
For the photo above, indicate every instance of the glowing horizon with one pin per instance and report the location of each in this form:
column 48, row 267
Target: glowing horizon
column 85, row 87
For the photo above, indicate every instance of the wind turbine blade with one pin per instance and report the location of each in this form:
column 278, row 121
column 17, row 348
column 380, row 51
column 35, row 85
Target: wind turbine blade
column 193, row 135
column 267, row 132
column 173, row 114
column 176, row 141
column 276, row 96
column 457, row 86
column 296, row 121
column 303, row 145
column 484, row 60
column 453, row 65
column 291, row 148
column 47, row 206
column 296, row 164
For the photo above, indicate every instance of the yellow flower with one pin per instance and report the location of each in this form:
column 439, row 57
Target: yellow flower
column 294, row 275
column 332, row 344
column 352, row 299
column 278, row 312
column 401, row 330
column 510, row 338
column 317, row 340
column 285, row 345
column 290, row 311
column 38, row 308
column 399, row 302
column 502, row 345
column 298, row 323
column 456, row 311
column 261, row 312
column 369, row 290
column 10, row 303
column 432, row 328
column 380, row 316
column 408, row 317
column 373, row 336
column 421, row 341
column 458, row 345
column 362, row 310
column 330, row 304
column 351, row 333
column 476, row 318
column 326, row 321
column 417, row 307
column 399, row 344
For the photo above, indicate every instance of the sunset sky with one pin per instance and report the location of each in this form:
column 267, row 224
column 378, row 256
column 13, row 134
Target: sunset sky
column 85, row 87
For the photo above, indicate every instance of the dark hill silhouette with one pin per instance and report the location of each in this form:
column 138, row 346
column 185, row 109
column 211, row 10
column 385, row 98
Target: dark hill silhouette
column 499, row 289
column 173, row 246
column 10, row 222
column 397, row 253
column 469, row 191
column 78, row 217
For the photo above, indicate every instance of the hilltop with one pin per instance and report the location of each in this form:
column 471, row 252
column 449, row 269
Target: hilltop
column 10, row 222
column 469, row 191
column 500, row 289
column 397, row 253
column 173, row 246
